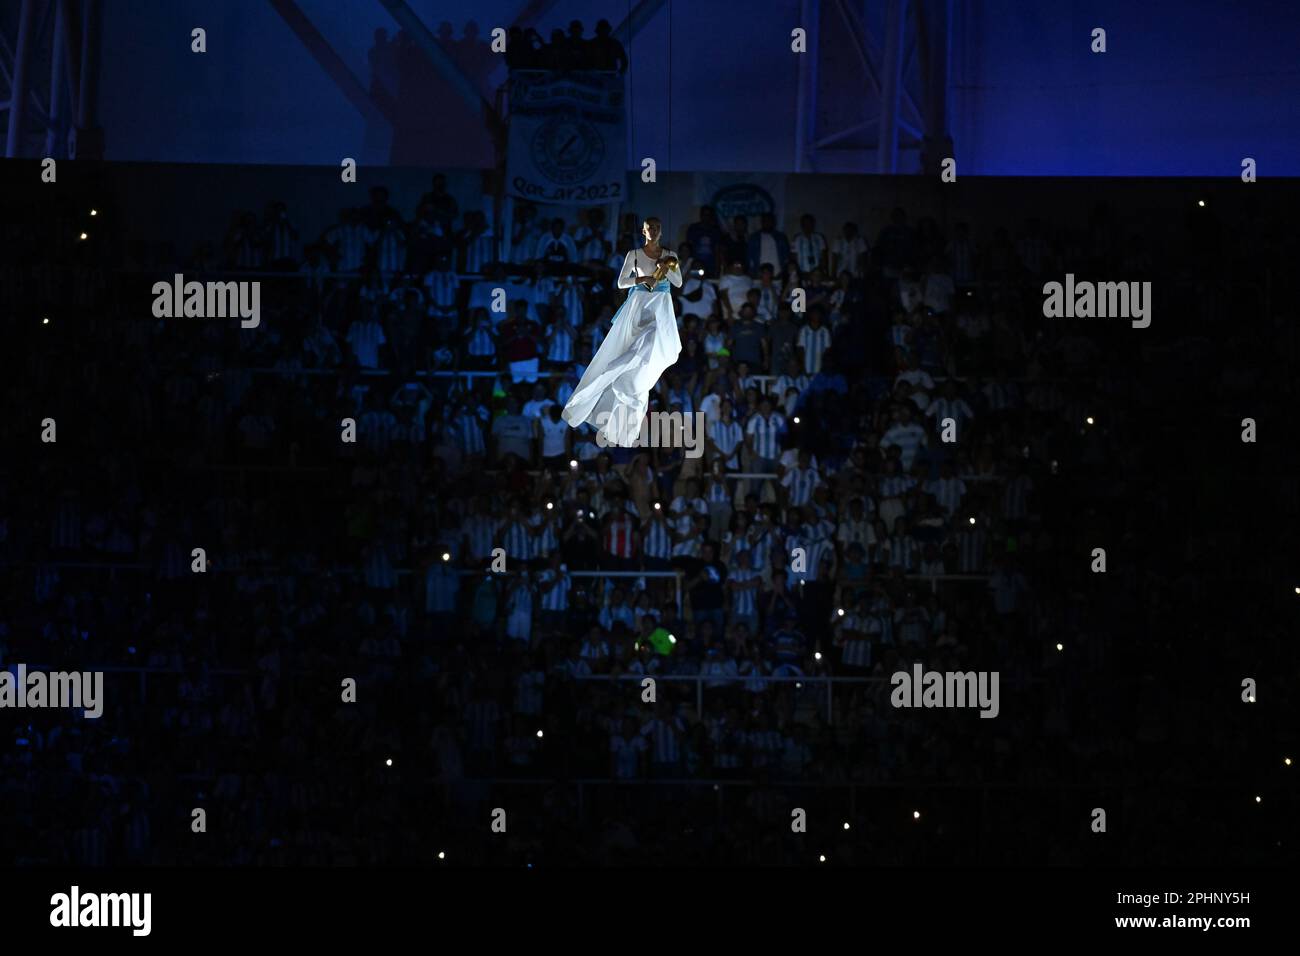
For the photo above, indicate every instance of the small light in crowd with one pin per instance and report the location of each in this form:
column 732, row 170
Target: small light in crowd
column 1089, row 420
column 657, row 507
column 972, row 519
column 821, row 858
column 446, row 555
column 1060, row 647
column 1297, row 590
column 388, row 762
column 1200, row 202
column 798, row 686
column 573, row 463
column 846, row 824
column 442, row 855
column 46, row 321
column 1287, row 761
column 94, row 212
column 840, row 611
column 672, row 639
column 539, row 733
column 1258, row 799
column 817, row 655
column 916, row 814
column 549, row 505
column 795, row 419
column 84, row 236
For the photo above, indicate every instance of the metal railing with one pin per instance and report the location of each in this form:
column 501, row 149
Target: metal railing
column 716, row 680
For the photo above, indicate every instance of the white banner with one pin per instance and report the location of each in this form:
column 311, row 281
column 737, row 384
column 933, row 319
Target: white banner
column 568, row 138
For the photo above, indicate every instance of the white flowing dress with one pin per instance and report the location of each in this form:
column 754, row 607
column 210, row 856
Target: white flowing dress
column 643, row 341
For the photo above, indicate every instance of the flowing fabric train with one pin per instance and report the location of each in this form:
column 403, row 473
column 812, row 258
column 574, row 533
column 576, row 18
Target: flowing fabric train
column 615, row 389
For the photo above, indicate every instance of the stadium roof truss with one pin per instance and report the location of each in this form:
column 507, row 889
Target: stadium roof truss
column 49, row 67
column 867, row 89
column 358, row 94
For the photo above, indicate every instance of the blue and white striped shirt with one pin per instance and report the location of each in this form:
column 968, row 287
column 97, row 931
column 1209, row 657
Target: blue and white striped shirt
column 908, row 438
column 557, row 598
column 765, row 433
column 814, row 343
column 801, row 482
column 657, row 543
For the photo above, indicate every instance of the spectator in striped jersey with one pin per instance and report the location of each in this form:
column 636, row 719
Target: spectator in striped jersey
column 853, row 635
column 627, row 751
column 467, row 427
column 894, row 487
column 950, row 405
column 849, row 251
column 948, row 489
column 280, row 238
column 593, row 237
column 765, row 297
column 794, row 377
column 687, row 506
column 663, row 734
column 515, row 536
column 718, row 664
column 476, row 243
column 527, row 234
column 376, row 426
column 743, row 583
column 347, row 242
column 800, row 481
column 658, row 536
column 386, row 244
column 519, row 609
column 1017, row 495
column 810, row 247
column 814, row 340
column 762, row 437
column 972, row 545
column 441, row 286
column 855, row 526
column 726, row 437
column 906, row 435
column 616, row 610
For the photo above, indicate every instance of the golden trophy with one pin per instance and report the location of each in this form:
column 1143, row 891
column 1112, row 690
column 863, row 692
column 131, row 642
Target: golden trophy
column 661, row 270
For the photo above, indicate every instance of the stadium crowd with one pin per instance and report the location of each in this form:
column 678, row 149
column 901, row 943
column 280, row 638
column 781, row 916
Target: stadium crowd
column 497, row 583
